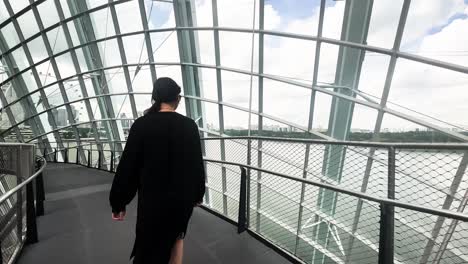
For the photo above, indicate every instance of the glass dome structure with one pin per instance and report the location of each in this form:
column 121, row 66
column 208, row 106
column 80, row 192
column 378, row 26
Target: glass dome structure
column 82, row 70
column 75, row 74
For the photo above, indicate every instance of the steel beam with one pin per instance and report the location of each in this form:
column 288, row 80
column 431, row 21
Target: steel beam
column 214, row 6
column 348, row 44
column 37, row 80
column 452, row 134
column 58, row 24
column 149, row 45
column 123, row 58
column 81, row 82
column 457, row 179
column 85, row 30
column 318, row 45
column 378, row 124
column 70, row 115
column 20, row 13
column 391, row 67
column 451, row 229
column 11, row 118
column 261, row 64
column 18, row 83
column 184, row 12
column 355, row 28
column 311, row 117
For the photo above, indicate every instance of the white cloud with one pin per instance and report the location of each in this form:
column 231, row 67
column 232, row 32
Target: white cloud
column 450, row 44
column 272, row 17
column 423, row 17
column 435, row 91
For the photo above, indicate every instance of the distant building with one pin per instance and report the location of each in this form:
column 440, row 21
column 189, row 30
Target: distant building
column 360, row 130
column 293, row 129
column 76, row 113
column 275, row 128
column 61, row 116
column 126, row 124
column 212, row 127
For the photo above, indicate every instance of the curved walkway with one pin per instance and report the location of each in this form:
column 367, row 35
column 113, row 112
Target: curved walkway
column 77, row 227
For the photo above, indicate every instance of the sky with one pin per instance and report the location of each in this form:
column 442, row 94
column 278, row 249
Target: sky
column 431, row 31
column 438, row 30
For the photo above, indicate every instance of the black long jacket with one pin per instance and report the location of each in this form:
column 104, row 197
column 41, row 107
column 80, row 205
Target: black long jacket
column 162, row 161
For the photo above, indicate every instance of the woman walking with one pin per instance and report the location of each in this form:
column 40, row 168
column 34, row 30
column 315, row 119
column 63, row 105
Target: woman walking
column 162, row 161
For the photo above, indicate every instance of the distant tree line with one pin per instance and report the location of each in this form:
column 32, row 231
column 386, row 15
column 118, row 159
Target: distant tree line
column 84, row 132
column 408, row 136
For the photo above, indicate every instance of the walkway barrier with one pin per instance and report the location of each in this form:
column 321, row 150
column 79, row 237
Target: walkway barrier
column 341, row 202
column 19, row 170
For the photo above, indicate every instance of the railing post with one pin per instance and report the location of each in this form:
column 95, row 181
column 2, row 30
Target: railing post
column 40, row 195
column 65, row 158
column 386, row 234
column 99, row 159
column 387, row 216
column 19, row 214
column 391, row 173
column 249, row 162
column 112, row 162
column 19, row 194
column 31, row 225
column 89, row 159
column 242, row 218
column 55, row 156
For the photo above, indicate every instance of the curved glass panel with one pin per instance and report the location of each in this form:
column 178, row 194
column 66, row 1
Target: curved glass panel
column 77, row 73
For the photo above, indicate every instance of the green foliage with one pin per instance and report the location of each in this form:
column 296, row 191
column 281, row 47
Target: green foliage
column 408, row 136
column 265, row 133
column 83, row 132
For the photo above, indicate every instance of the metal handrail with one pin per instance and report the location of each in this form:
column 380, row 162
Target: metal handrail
column 305, row 205
column 454, row 146
column 7, row 195
column 423, row 209
column 34, row 202
column 14, row 144
column 75, row 147
column 446, row 213
column 440, row 212
column 385, row 247
column 457, row 146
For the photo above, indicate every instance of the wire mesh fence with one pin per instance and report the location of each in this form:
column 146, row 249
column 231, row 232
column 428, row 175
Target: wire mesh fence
column 223, row 189
column 102, row 156
column 8, row 229
column 435, row 178
column 323, row 226
column 431, row 177
column 16, row 164
column 320, row 225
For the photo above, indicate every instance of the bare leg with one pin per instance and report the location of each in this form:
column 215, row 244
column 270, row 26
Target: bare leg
column 177, row 252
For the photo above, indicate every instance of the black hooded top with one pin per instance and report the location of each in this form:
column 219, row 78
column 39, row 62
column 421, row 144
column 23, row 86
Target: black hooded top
column 162, row 161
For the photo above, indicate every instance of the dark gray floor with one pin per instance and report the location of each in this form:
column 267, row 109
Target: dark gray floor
column 77, row 227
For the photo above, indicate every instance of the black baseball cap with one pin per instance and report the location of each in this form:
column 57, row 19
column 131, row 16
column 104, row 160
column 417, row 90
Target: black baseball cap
column 165, row 90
